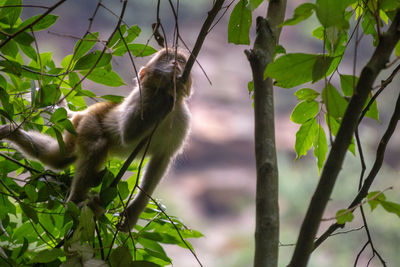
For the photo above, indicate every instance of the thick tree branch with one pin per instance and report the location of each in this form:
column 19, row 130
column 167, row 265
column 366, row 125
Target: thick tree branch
column 337, row 154
column 267, row 208
column 380, row 153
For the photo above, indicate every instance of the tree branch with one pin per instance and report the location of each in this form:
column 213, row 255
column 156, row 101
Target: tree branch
column 371, row 176
column 267, row 208
column 200, row 39
column 337, row 154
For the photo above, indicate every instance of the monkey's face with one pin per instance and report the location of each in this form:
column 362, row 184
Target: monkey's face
column 168, row 63
column 164, row 71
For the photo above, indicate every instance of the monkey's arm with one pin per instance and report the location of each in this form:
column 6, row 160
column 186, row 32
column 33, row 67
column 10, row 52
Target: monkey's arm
column 138, row 117
column 155, row 169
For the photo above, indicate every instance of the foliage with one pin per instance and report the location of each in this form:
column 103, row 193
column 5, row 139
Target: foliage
column 37, row 226
column 325, row 92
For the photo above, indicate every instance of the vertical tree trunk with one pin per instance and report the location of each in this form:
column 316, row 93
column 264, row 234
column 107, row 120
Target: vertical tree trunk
column 267, row 209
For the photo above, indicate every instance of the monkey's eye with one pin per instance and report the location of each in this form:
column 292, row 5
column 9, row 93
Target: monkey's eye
column 181, row 60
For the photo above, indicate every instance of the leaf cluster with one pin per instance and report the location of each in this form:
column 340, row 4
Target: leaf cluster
column 34, row 219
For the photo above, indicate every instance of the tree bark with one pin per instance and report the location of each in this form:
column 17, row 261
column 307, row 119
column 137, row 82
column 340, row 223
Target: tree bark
column 267, row 208
column 337, row 154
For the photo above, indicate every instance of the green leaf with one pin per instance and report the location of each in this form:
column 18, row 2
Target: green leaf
column 321, row 67
column 239, row 24
column 334, row 125
column 123, row 189
column 306, row 94
column 344, row 216
column 279, row 50
column 117, row 35
column 138, row 50
column 67, row 124
column 12, row 67
column 121, row 257
column 389, row 4
column 347, row 83
column 3, row 82
column 30, row 212
column 84, row 46
column 153, row 245
column 373, row 111
column 295, row 69
column 48, row 95
column 331, row 13
column 158, row 255
column 24, row 38
column 58, row 115
column 86, row 222
column 254, row 4
column 5, row 102
column 29, row 51
column 45, row 256
column 42, row 24
column 108, row 195
column 55, row 131
column 391, row 207
column 250, row 87
column 66, row 61
column 6, row 206
column 133, row 32
column 304, row 111
column 368, row 24
column 30, row 191
column 11, row 13
column 320, row 147
column 24, row 248
column 335, row 103
column 74, row 79
column 302, row 12
column 318, row 33
column 397, row 49
column 305, row 137
column 87, row 61
column 113, row 98
column 374, row 200
column 10, row 49
column 102, row 76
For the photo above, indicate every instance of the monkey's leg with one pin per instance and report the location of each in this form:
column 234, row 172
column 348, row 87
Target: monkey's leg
column 37, row 145
column 155, row 170
column 91, row 157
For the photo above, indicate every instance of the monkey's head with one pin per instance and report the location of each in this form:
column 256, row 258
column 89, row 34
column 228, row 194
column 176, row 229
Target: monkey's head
column 164, row 71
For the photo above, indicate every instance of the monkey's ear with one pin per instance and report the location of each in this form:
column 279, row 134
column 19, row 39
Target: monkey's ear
column 142, row 72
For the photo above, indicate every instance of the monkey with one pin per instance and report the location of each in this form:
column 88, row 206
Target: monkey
column 158, row 101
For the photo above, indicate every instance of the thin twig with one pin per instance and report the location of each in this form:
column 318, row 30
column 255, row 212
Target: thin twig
column 200, row 39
